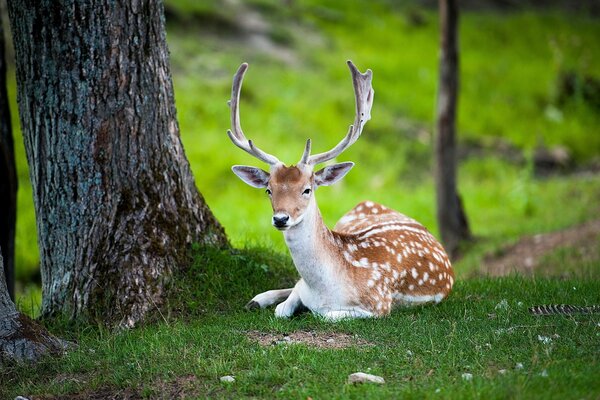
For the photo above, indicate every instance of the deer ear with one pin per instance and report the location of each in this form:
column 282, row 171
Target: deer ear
column 332, row 173
column 253, row 176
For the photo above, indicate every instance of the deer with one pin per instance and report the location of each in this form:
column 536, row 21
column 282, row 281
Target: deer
column 373, row 258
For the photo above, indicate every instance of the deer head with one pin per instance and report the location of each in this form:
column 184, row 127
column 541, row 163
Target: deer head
column 291, row 189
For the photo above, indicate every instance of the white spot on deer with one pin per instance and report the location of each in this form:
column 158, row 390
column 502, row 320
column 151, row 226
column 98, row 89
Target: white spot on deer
column 370, row 283
column 411, row 287
column 440, row 276
column 399, row 257
column 447, row 286
column 395, row 274
column 433, row 281
column 403, row 273
column 369, row 204
column 420, row 282
column 414, row 273
column 431, row 266
column 376, row 275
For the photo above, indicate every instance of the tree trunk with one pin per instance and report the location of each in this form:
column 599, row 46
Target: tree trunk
column 451, row 217
column 21, row 339
column 115, row 200
column 8, row 178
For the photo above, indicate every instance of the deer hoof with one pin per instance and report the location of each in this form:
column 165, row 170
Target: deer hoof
column 252, row 305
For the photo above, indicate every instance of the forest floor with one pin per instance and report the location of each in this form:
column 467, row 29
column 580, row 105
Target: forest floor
column 530, row 254
column 481, row 342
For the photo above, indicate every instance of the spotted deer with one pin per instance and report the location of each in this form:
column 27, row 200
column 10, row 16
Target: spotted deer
column 373, row 258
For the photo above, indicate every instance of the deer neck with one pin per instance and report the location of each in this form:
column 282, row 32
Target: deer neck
column 308, row 244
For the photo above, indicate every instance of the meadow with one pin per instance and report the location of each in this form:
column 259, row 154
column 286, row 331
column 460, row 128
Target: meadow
column 512, row 102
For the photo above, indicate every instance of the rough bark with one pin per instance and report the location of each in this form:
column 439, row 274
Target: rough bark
column 115, row 200
column 21, row 339
column 8, row 178
column 451, row 217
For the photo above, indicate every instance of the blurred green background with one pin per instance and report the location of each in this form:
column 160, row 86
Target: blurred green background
column 529, row 81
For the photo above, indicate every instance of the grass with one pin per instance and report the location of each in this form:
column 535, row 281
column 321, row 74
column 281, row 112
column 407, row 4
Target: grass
column 482, row 329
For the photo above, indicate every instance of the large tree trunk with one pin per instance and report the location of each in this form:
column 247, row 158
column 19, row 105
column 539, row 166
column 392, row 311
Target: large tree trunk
column 8, row 178
column 451, row 217
column 115, row 200
column 21, row 339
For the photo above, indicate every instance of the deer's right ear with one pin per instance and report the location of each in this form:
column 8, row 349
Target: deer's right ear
column 253, row 176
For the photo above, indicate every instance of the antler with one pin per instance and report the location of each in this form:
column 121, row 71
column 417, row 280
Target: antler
column 235, row 133
column 363, row 92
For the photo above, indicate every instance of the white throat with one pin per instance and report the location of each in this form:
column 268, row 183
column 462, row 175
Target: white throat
column 305, row 241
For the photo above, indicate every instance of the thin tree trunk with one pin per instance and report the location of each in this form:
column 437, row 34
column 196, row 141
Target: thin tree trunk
column 22, row 339
column 8, row 178
column 451, row 217
column 115, row 200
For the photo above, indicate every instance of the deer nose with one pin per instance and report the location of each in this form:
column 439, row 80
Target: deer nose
column 280, row 220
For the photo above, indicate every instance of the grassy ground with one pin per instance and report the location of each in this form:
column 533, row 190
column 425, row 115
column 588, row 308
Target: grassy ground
column 483, row 329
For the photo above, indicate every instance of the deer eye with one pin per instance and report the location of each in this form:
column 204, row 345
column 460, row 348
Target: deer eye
column 268, row 191
column 306, row 191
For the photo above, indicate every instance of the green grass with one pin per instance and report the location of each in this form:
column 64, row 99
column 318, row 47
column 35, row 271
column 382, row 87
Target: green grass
column 481, row 329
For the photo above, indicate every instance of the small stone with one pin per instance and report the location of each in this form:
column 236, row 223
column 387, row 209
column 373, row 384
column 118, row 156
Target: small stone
column 227, row 379
column 409, row 353
column 361, row 377
column 438, row 390
column 544, row 374
column 502, row 371
column 21, row 398
column 330, row 340
column 467, row 376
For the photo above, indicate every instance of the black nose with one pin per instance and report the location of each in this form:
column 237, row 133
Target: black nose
column 280, row 221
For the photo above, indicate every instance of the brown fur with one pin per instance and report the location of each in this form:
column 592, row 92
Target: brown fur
column 410, row 240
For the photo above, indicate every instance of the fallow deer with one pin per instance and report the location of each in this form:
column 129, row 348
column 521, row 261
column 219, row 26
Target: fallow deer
column 374, row 257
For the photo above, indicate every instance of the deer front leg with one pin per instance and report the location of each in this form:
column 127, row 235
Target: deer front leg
column 268, row 298
column 289, row 307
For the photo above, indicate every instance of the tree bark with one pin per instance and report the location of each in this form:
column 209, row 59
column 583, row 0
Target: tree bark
column 452, row 220
column 115, row 200
column 8, row 178
column 21, row 339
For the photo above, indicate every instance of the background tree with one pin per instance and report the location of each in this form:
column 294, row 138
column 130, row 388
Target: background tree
column 8, row 178
column 115, row 200
column 21, row 339
column 451, row 217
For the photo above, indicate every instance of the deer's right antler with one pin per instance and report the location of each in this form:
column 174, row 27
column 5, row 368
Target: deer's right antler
column 236, row 134
column 363, row 92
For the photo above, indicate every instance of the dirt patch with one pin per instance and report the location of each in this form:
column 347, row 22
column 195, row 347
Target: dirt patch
column 527, row 255
column 321, row 340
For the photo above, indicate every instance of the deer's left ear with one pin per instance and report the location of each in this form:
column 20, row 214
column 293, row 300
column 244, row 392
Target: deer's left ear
column 332, row 173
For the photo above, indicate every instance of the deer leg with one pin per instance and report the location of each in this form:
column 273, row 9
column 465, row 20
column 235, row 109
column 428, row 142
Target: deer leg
column 268, row 298
column 289, row 307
